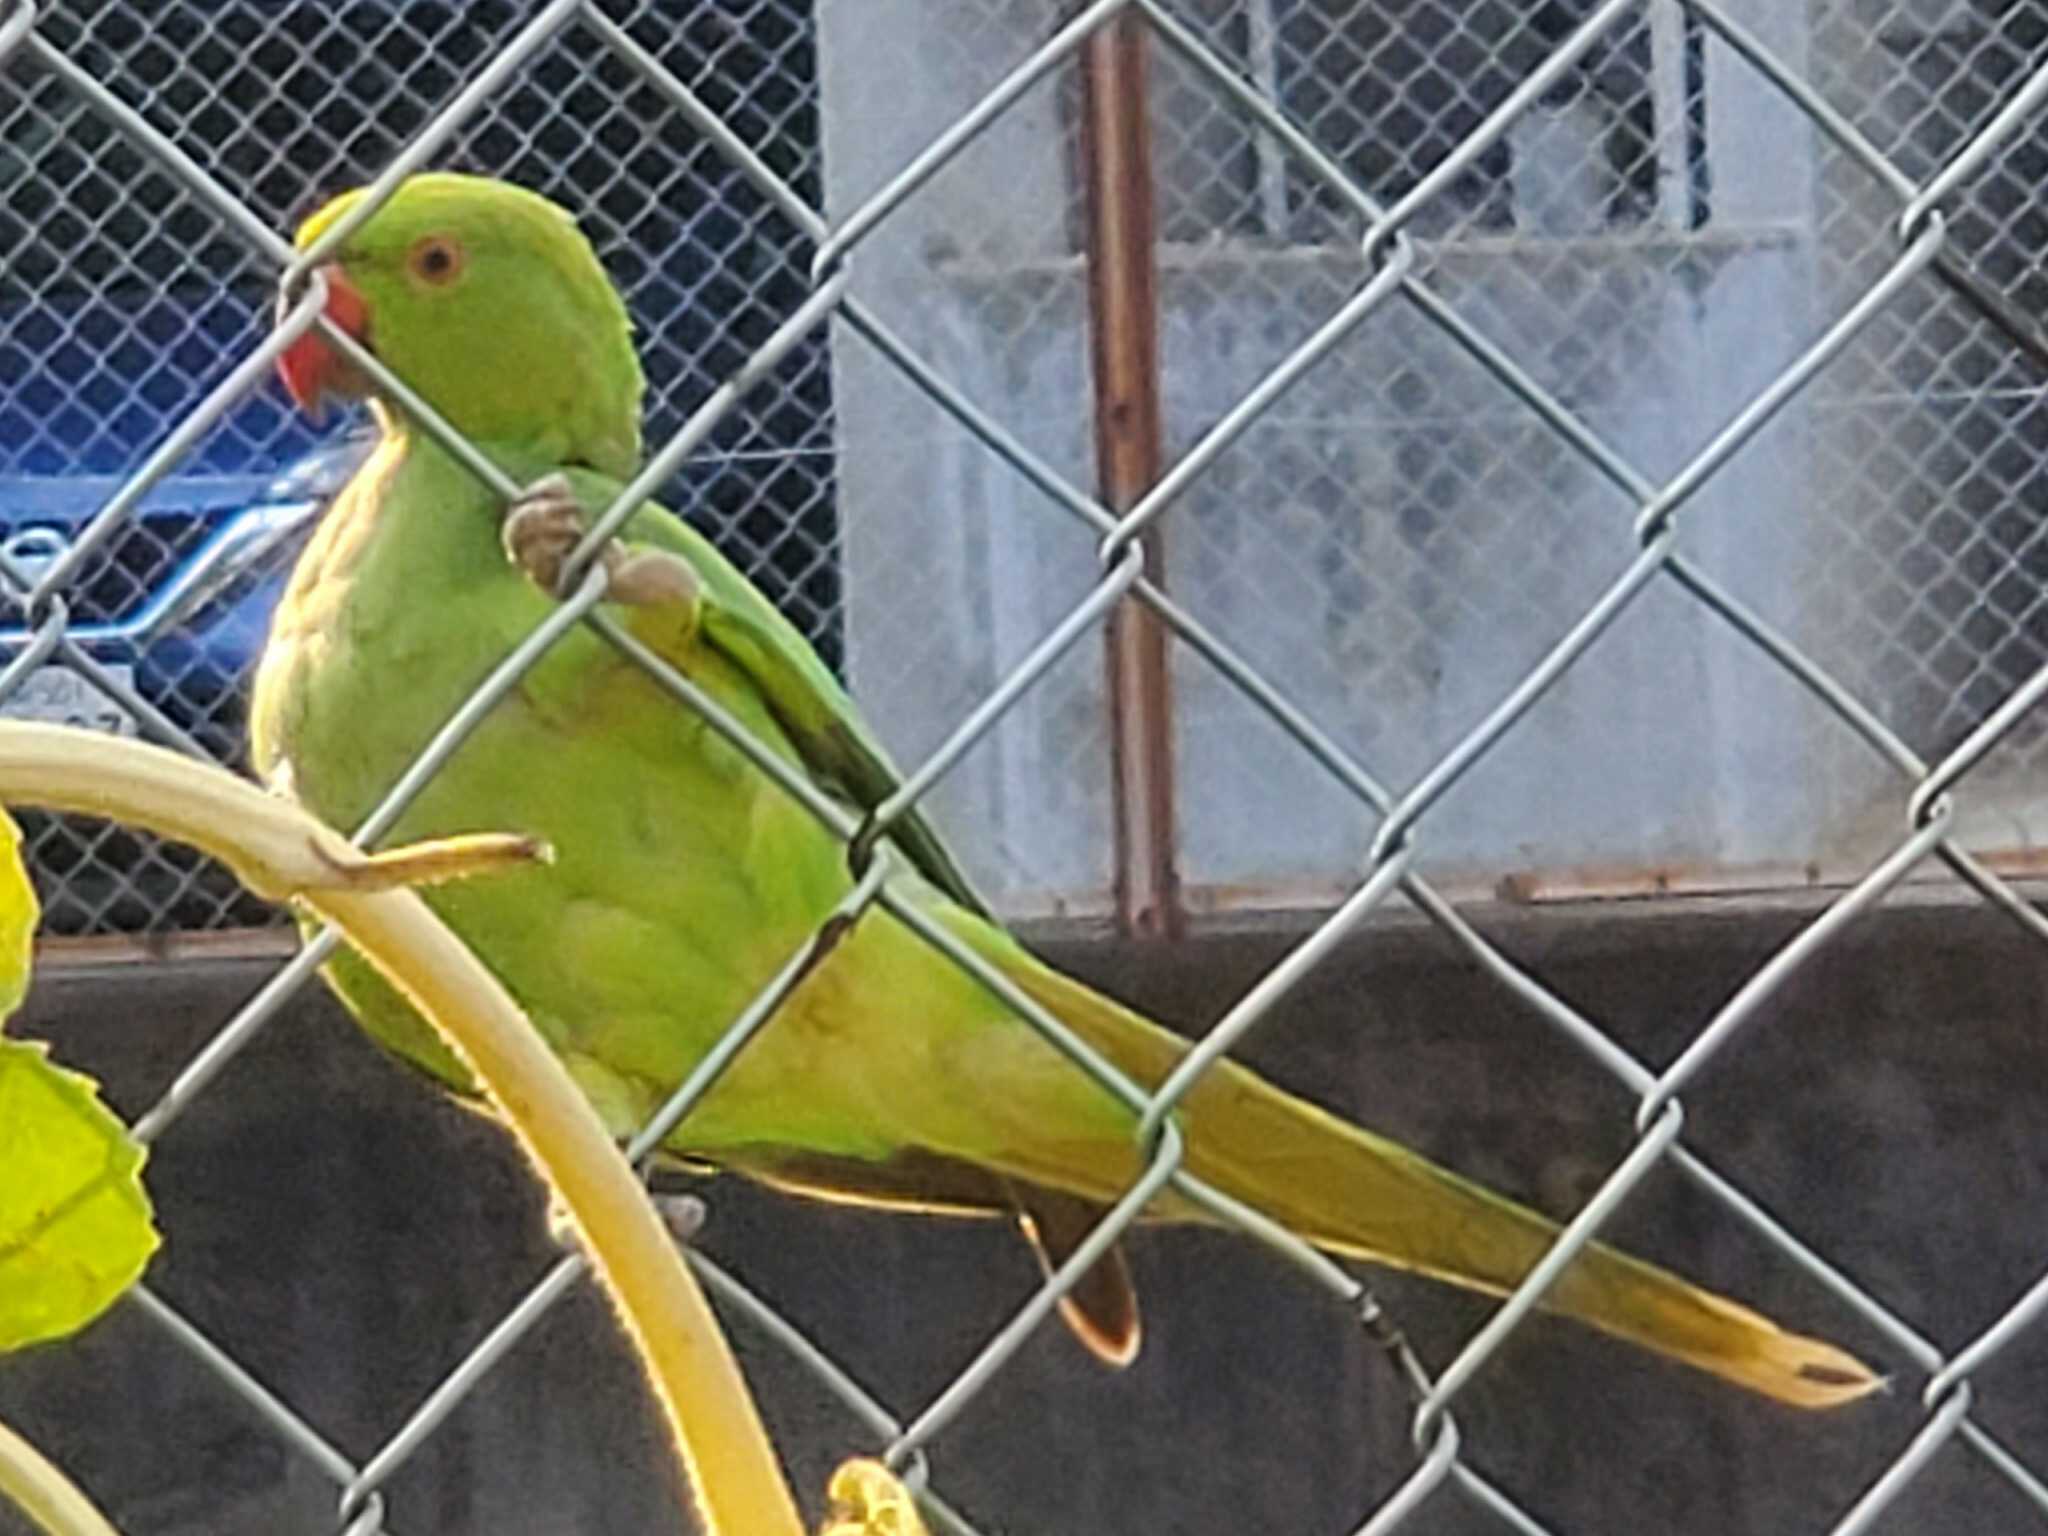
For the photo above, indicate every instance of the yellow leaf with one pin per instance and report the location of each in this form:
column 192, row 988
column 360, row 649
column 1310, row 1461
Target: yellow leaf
column 75, row 1229
column 18, row 913
column 867, row 1500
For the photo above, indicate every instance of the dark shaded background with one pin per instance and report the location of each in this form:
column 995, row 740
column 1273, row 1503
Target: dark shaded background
column 348, row 1235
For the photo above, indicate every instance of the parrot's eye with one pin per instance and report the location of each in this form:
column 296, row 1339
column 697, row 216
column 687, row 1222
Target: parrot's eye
column 436, row 260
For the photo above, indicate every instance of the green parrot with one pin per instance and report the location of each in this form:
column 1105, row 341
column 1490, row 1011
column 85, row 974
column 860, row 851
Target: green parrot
column 684, row 878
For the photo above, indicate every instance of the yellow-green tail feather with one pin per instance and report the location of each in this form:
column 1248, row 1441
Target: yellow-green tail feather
column 1351, row 1192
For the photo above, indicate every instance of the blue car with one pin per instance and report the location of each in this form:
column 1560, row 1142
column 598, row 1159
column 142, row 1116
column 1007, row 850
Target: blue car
column 175, row 600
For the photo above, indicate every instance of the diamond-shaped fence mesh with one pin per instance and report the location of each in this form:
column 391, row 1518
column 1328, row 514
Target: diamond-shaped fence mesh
column 1592, row 437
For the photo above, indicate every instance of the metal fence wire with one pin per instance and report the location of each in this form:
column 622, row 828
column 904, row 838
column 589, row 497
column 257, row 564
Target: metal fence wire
column 1476, row 239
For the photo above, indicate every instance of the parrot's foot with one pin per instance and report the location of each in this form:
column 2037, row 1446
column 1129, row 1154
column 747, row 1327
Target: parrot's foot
column 683, row 1215
column 561, row 1225
column 547, row 522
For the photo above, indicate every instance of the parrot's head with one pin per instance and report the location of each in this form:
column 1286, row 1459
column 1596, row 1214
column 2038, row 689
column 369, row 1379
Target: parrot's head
column 489, row 302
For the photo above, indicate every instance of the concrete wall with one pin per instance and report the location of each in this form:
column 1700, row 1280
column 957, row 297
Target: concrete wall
column 348, row 1235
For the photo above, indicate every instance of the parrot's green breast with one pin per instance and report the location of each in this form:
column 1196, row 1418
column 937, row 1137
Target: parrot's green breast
column 682, row 880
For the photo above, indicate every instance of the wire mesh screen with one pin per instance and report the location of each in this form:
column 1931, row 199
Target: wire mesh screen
column 1928, row 438
column 1596, row 435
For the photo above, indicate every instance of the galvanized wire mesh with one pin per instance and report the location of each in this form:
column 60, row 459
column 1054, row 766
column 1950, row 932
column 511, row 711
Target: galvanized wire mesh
column 1491, row 218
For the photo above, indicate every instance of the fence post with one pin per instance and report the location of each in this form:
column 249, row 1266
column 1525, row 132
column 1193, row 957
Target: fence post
column 1123, row 329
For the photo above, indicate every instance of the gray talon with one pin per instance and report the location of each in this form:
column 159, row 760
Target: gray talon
column 547, row 522
column 650, row 578
column 541, row 528
column 683, row 1215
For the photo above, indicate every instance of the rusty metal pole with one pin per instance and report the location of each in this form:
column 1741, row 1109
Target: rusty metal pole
column 1130, row 456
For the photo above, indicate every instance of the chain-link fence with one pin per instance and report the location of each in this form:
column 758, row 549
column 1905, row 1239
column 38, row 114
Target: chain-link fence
column 1613, row 426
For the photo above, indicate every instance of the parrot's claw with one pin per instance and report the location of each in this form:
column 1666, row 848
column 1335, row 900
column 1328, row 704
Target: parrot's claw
column 562, row 1226
column 650, row 578
column 543, row 525
column 683, row 1215
column 547, row 522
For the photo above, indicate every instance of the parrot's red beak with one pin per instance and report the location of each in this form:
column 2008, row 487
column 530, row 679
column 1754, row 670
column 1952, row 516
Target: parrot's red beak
column 312, row 370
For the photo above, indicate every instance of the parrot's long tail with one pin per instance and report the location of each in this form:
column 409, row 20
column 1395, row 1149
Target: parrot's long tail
column 1351, row 1192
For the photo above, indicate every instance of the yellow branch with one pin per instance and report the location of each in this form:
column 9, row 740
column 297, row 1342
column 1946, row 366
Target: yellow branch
column 49, row 1498
column 282, row 853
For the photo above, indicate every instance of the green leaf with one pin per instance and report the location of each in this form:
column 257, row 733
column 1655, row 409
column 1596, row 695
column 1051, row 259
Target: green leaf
column 75, row 1228
column 18, row 913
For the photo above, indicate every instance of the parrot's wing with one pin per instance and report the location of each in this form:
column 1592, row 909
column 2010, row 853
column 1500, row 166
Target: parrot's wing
column 846, row 760
column 839, row 752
